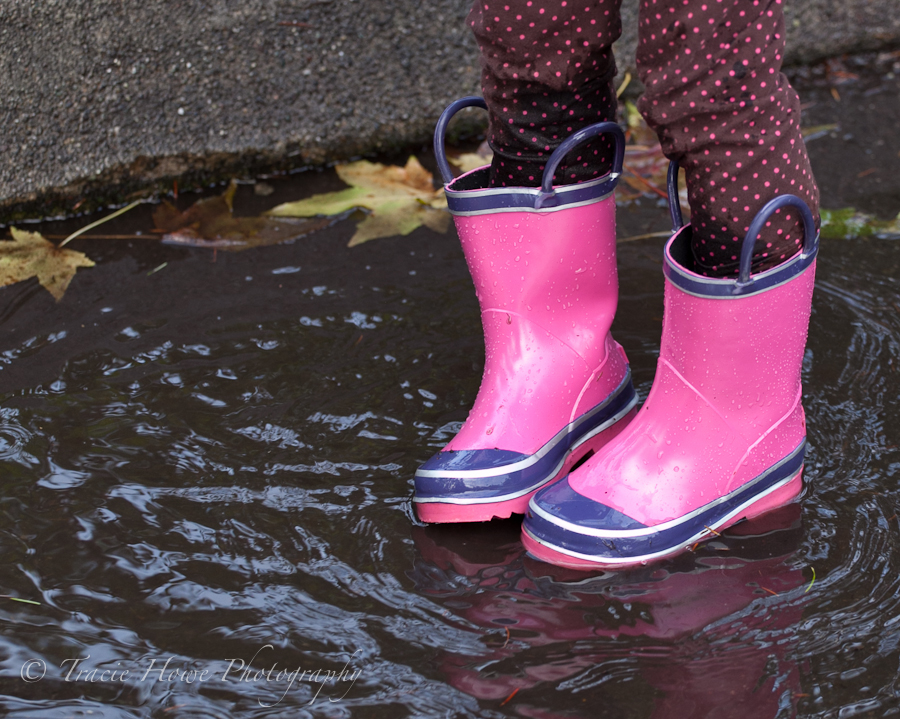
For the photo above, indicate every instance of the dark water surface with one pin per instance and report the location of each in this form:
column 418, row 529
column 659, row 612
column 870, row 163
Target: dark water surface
column 211, row 466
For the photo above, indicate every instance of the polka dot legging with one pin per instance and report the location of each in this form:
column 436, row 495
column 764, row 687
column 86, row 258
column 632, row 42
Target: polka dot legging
column 714, row 94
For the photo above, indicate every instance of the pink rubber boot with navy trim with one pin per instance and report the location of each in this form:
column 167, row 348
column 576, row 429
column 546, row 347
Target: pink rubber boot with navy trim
column 722, row 434
column 556, row 385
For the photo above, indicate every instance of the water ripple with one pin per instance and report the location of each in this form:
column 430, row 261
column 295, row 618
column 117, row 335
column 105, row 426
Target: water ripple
column 222, row 481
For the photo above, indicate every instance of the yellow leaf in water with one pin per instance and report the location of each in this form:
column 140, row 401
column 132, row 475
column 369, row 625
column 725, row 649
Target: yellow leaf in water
column 400, row 199
column 468, row 161
column 30, row 255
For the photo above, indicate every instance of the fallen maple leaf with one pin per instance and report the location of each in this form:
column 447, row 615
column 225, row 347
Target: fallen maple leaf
column 210, row 223
column 30, row 255
column 400, row 199
column 468, row 161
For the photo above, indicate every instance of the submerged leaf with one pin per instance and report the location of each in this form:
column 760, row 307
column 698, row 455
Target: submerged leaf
column 209, row 223
column 30, row 255
column 848, row 224
column 400, row 199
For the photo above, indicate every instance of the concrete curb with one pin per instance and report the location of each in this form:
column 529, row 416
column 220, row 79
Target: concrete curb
column 108, row 98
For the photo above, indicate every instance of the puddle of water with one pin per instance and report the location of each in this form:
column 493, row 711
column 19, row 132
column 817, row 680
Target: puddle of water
column 207, row 474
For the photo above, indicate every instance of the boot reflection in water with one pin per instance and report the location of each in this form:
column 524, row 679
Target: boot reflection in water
column 682, row 639
column 722, row 436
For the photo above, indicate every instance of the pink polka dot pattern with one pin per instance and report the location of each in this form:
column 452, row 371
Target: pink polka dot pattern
column 716, row 97
column 714, row 94
column 548, row 71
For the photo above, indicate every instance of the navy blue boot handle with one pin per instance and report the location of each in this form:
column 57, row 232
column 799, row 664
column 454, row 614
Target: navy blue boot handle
column 810, row 236
column 548, row 198
column 440, row 132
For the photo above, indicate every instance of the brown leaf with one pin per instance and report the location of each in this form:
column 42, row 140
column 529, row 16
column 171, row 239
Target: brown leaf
column 210, row 223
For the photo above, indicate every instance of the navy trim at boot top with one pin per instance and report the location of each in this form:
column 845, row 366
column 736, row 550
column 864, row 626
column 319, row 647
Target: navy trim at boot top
column 678, row 263
column 442, row 477
column 679, row 260
column 564, row 502
column 469, row 194
column 619, row 542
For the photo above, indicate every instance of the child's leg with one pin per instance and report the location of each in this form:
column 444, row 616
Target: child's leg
column 723, row 110
column 556, row 385
column 548, row 71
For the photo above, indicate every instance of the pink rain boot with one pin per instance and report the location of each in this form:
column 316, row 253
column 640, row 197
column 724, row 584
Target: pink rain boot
column 722, row 434
column 556, row 385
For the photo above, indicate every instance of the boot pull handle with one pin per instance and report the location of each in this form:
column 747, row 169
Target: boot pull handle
column 547, row 197
column 810, row 236
column 440, row 132
column 674, row 200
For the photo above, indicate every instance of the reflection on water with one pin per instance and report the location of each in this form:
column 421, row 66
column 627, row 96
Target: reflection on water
column 206, row 484
column 703, row 634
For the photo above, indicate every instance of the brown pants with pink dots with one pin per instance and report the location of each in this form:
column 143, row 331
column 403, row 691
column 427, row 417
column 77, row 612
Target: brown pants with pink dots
column 714, row 94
